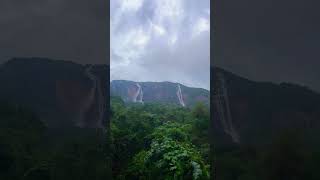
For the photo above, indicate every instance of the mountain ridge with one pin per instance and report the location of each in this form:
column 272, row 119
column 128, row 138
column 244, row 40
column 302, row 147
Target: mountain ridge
column 160, row 82
column 259, row 111
column 62, row 93
column 164, row 92
column 58, row 89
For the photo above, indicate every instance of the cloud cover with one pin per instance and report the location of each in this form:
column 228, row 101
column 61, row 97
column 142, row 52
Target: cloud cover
column 269, row 40
column 75, row 30
column 163, row 40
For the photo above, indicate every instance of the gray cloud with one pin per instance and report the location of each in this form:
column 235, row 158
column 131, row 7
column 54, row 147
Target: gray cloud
column 74, row 30
column 161, row 40
column 269, row 40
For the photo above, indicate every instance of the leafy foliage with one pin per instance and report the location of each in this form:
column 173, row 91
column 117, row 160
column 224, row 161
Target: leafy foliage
column 161, row 141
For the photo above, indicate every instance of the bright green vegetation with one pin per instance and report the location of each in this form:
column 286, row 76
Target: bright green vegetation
column 159, row 141
column 151, row 141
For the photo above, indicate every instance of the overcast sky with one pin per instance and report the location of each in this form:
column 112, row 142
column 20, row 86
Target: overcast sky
column 73, row 30
column 269, row 40
column 162, row 40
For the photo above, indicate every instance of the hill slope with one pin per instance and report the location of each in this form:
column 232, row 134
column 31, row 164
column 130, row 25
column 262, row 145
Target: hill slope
column 261, row 110
column 162, row 92
column 62, row 93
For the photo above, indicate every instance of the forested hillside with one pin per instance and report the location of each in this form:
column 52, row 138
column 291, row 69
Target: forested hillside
column 160, row 92
column 278, row 127
column 159, row 141
column 29, row 150
column 62, row 93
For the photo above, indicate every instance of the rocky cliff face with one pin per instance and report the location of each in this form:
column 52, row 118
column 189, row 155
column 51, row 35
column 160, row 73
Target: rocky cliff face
column 62, row 93
column 162, row 92
column 259, row 111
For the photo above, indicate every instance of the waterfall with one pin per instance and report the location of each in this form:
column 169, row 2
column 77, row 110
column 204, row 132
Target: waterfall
column 138, row 92
column 141, row 94
column 135, row 96
column 180, row 97
column 95, row 92
column 101, row 103
column 88, row 101
column 223, row 109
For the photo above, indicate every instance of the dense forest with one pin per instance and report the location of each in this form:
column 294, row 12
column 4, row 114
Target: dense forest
column 288, row 156
column 159, row 141
column 31, row 151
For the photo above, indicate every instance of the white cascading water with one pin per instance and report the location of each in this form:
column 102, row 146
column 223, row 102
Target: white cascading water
column 135, row 96
column 101, row 104
column 223, row 110
column 89, row 101
column 180, row 97
column 141, row 94
column 138, row 92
